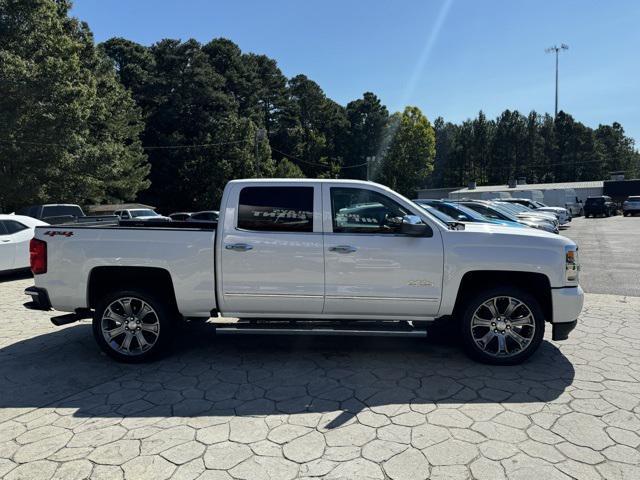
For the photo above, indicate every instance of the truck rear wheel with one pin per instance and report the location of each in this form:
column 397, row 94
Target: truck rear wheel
column 132, row 326
column 502, row 326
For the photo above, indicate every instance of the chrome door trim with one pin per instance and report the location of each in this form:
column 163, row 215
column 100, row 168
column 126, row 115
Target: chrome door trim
column 404, row 299
column 271, row 295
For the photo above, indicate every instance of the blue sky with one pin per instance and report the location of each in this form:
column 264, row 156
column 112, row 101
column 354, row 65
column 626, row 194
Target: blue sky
column 451, row 58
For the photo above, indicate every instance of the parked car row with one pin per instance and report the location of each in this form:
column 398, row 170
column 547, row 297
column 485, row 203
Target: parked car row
column 494, row 212
column 204, row 216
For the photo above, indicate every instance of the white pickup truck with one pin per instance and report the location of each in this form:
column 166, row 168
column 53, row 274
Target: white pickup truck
column 337, row 256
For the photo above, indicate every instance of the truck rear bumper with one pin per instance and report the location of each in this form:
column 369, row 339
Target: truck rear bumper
column 567, row 305
column 39, row 299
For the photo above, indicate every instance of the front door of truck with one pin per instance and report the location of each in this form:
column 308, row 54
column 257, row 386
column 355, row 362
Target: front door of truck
column 371, row 268
column 272, row 257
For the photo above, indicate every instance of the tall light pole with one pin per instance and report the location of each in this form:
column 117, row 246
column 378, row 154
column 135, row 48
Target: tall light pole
column 555, row 49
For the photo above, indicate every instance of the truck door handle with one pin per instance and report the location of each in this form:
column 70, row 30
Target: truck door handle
column 238, row 247
column 343, row 249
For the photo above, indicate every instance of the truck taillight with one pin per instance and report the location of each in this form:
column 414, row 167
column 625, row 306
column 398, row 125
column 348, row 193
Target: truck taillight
column 38, row 256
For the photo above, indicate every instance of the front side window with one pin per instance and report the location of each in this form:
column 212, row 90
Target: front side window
column 276, row 209
column 357, row 210
column 11, row 226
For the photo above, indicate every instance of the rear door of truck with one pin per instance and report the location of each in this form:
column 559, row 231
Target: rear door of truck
column 271, row 251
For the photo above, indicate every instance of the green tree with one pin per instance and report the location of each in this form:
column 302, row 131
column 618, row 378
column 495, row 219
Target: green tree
column 69, row 131
column 508, row 148
column 618, row 150
column 287, row 169
column 367, row 118
column 408, row 160
column 311, row 129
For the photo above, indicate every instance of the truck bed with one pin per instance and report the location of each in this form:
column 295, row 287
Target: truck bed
column 185, row 250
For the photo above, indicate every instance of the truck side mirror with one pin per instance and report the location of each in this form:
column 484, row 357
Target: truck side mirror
column 414, row 226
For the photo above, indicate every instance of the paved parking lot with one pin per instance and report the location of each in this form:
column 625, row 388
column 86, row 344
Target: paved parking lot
column 350, row 408
column 609, row 253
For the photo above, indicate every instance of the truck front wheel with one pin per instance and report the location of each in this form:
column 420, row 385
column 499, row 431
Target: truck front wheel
column 502, row 326
column 132, row 326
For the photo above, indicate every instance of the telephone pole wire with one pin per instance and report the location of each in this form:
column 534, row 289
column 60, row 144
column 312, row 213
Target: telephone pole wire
column 555, row 49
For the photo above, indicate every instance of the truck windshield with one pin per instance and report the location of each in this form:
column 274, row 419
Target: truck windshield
column 144, row 212
column 514, row 207
column 443, row 217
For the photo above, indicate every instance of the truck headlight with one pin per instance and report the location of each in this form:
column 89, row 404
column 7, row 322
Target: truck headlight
column 572, row 267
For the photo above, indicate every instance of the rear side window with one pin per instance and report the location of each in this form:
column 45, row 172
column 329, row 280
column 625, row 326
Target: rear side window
column 276, row 209
column 3, row 230
column 11, row 226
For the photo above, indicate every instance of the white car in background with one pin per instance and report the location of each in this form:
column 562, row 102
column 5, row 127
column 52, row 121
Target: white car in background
column 16, row 231
column 140, row 214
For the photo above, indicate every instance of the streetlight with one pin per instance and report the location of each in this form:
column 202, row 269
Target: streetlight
column 557, row 50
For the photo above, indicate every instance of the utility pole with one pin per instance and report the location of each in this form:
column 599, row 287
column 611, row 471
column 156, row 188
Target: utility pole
column 555, row 49
column 370, row 160
column 260, row 135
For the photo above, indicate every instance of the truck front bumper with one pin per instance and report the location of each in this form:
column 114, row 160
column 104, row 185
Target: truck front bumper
column 567, row 305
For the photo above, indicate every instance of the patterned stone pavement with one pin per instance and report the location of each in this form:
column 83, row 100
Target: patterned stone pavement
column 307, row 407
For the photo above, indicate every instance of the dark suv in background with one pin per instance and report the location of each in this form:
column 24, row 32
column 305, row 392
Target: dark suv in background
column 600, row 205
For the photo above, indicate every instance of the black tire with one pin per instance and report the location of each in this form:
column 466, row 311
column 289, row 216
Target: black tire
column 163, row 312
column 535, row 339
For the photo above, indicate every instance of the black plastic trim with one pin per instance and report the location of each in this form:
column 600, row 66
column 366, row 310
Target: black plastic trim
column 562, row 330
column 39, row 299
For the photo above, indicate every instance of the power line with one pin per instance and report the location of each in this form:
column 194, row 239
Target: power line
column 200, row 145
column 315, row 164
column 150, row 147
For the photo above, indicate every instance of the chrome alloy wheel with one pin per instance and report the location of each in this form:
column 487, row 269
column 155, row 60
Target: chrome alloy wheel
column 130, row 326
column 503, row 326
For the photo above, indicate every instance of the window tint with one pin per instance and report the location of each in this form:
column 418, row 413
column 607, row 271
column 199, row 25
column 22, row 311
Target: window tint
column 61, row 210
column 144, row 212
column 482, row 210
column 12, row 226
column 357, row 210
column 454, row 213
column 276, row 209
column 205, row 216
column 3, row 230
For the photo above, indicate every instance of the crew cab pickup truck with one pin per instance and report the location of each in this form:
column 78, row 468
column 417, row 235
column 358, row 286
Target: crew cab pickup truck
column 313, row 251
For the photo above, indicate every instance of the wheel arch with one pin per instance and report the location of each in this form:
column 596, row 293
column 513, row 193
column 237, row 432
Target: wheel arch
column 537, row 284
column 103, row 280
